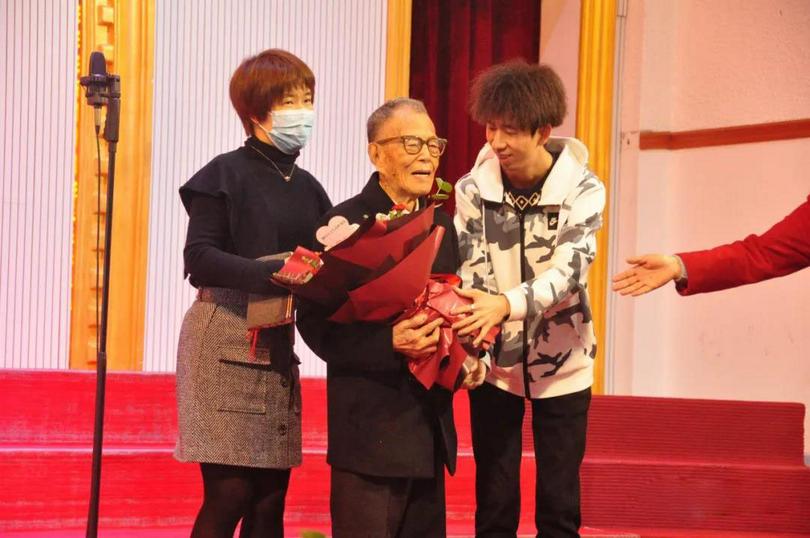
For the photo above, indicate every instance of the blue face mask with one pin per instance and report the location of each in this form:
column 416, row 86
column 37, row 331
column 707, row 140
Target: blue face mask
column 291, row 128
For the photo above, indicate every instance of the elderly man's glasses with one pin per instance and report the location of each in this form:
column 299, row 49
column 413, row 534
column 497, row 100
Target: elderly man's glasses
column 413, row 144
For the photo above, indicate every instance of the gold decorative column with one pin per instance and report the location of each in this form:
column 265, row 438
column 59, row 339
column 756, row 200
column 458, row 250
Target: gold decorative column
column 398, row 49
column 595, row 129
column 124, row 31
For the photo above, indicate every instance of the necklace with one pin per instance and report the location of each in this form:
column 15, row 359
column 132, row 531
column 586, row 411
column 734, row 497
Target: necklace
column 286, row 177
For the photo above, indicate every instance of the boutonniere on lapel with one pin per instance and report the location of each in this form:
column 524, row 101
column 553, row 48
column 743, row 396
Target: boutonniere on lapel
column 442, row 193
column 397, row 211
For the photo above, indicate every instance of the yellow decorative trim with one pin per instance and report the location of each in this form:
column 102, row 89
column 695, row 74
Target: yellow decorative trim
column 398, row 49
column 104, row 24
column 595, row 129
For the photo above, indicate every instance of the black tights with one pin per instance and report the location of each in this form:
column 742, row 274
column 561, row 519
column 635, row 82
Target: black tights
column 231, row 493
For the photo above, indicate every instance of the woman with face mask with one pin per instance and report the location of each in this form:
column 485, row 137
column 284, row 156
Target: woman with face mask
column 238, row 394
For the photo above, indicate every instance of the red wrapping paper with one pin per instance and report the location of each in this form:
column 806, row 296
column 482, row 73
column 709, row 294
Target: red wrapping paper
column 389, row 240
column 394, row 291
column 382, row 272
column 444, row 366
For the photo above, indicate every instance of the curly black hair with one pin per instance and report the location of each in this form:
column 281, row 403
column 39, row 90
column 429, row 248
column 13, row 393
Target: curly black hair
column 528, row 96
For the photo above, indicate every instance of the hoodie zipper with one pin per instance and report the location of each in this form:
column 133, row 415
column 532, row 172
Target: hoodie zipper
column 525, row 359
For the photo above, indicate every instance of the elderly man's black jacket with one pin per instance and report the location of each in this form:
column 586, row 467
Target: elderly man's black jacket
column 382, row 422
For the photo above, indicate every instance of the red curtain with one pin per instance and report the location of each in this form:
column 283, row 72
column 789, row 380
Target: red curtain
column 451, row 42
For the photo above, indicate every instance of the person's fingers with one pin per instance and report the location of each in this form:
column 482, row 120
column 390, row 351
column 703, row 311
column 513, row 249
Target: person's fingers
column 475, row 377
column 480, row 375
column 630, row 290
column 624, row 291
column 482, row 333
column 654, row 283
column 418, row 319
column 623, row 275
column 464, row 322
column 624, row 282
column 422, row 329
column 653, row 280
column 427, row 340
column 472, row 327
column 428, row 328
column 619, row 285
column 465, row 293
column 622, row 285
column 644, row 288
column 635, row 260
column 464, row 309
column 433, row 337
column 411, row 322
column 406, row 337
column 469, row 327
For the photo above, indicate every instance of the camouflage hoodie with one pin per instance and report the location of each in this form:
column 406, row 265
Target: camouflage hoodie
column 548, row 343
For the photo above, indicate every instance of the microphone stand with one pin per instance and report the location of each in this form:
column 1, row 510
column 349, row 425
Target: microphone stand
column 111, row 136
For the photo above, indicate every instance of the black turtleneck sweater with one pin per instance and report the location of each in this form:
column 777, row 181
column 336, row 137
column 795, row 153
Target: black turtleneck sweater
column 240, row 208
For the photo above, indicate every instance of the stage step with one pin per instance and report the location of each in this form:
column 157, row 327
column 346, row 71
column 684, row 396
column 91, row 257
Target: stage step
column 49, row 489
column 686, row 430
column 290, row 531
column 651, row 463
column 141, row 412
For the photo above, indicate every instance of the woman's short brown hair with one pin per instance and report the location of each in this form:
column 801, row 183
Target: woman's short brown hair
column 262, row 80
column 528, row 96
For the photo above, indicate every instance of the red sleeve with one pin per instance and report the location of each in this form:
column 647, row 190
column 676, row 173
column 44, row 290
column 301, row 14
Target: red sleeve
column 782, row 250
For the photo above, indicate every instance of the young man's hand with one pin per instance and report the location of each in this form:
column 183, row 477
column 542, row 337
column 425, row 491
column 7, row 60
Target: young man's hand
column 486, row 311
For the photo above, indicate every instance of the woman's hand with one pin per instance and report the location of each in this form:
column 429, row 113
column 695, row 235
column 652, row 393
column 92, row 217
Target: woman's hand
column 649, row 272
column 486, row 311
column 415, row 338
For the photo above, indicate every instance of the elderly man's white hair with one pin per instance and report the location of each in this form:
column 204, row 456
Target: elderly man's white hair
column 387, row 109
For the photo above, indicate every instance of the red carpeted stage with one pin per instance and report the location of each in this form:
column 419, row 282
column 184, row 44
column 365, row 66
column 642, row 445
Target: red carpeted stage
column 654, row 467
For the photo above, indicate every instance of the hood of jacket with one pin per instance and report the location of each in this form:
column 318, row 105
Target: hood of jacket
column 571, row 163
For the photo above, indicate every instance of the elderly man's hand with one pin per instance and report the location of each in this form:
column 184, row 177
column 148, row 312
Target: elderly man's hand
column 415, row 338
column 649, row 272
column 476, row 376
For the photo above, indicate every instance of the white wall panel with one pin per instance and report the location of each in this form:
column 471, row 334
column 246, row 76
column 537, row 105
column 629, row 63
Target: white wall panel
column 198, row 44
column 37, row 126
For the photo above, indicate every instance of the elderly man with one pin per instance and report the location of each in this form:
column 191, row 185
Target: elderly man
column 389, row 438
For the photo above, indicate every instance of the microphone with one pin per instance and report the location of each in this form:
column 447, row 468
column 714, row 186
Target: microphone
column 97, row 84
column 113, row 109
column 103, row 89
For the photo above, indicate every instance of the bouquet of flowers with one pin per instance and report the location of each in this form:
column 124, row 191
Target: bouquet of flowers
column 379, row 271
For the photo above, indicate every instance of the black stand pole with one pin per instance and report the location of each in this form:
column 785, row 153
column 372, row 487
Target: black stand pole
column 111, row 136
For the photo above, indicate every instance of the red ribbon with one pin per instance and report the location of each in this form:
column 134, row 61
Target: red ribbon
column 443, row 366
column 253, row 336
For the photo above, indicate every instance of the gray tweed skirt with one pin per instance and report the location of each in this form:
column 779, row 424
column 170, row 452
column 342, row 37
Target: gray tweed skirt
column 233, row 408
